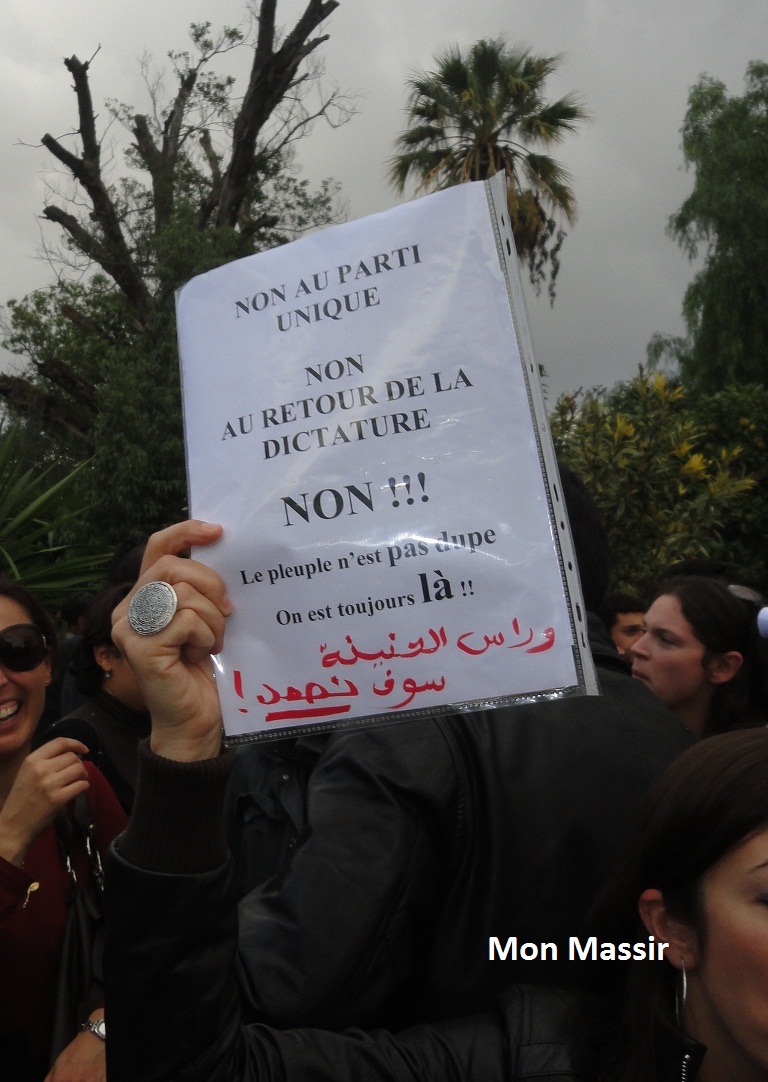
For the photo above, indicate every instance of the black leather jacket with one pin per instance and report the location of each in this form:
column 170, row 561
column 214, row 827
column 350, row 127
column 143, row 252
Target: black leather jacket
column 426, row 838
column 174, row 1016
column 172, row 1002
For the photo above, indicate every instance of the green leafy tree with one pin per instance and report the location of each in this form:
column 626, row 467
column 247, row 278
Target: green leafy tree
column 38, row 522
column 665, row 488
column 724, row 221
column 209, row 177
column 736, row 417
column 484, row 113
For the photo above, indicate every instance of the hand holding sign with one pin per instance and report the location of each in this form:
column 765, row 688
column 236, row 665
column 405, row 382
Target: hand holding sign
column 173, row 666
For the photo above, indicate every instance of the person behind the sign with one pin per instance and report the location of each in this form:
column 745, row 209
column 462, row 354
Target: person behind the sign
column 409, row 829
column 123, row 567
column 35, row 788
column 424, row 838
column 623, row 615
column 72, row 613
column 113, row 704
column 691, row 1004
column 702, row 654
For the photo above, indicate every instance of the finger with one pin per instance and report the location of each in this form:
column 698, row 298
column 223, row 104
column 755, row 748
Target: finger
column 197, row 587
column 58, row 746
column 178, row 538
column 70, row 773
column 190, row 573
column 49, row 776
column 197, row 627
column 199, row 620
column 64, row 793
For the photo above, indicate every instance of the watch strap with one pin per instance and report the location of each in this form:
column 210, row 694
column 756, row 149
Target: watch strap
column 98, row 1027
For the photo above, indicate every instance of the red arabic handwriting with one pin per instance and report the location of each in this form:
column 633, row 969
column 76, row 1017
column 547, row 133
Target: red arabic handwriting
column 412, row 689
column 311, row 693
column 314, row 692
column 439, row 639
column 498, row 640
column 320, row 700
column 414, row 649
column 409, row 686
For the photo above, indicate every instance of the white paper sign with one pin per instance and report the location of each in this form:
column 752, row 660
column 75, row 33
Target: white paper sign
column 360, row 420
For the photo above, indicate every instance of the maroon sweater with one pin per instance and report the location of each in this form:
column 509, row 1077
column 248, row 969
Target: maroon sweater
column 32, row 922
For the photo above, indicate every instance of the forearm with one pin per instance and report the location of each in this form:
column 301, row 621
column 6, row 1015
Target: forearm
column 171, row 925
column 174, row 1015
column 471, row 1049
column 169, row 993
column 177, row 820
column 173, row 1008
column 168, row 895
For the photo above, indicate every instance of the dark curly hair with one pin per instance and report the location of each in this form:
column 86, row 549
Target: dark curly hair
column 89, row 675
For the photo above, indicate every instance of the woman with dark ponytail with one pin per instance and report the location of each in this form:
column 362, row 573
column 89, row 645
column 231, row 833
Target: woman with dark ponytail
column 702, row 654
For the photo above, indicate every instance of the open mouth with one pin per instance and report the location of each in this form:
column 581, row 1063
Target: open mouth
column 9, row 710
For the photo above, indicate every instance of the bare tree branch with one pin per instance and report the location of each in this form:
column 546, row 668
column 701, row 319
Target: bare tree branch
column 121, row 270
column 272, row 73
column 161, row 161
column 29, row 401
column 112, row 252
column 207, row 148
column 80, row 319
column 62, row 375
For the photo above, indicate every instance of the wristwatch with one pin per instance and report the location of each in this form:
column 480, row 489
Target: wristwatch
column 99, row 1027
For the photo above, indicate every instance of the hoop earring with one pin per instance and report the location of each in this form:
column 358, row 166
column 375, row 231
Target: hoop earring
column 681, row 995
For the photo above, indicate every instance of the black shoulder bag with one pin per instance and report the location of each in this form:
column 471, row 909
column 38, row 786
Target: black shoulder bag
column 79, row 985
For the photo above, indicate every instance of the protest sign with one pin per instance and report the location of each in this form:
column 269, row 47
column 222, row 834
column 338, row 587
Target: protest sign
column 363, row 416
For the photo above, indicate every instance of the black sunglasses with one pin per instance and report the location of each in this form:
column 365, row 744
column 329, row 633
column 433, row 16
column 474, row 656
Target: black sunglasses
column 22, row 647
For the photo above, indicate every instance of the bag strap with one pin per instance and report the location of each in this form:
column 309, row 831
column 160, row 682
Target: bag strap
column 83, row 819
column 65, row 832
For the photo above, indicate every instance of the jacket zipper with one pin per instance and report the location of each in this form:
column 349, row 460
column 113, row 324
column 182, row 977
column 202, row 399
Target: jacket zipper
column 685, row 1065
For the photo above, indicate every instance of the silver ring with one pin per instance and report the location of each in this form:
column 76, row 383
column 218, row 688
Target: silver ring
column 152, row 608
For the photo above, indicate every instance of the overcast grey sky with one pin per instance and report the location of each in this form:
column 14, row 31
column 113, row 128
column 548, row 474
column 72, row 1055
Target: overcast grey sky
column 632, row 64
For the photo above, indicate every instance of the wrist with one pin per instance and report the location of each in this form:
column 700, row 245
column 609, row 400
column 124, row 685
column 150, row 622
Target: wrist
column 169, row 792
column 184, row 748
column 96, row 1025
column 13, row 849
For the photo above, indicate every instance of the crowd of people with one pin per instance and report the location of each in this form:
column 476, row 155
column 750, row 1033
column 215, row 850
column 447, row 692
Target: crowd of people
column 567, row 889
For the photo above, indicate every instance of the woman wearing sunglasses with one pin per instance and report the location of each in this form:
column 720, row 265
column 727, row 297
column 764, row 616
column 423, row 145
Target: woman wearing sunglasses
column 35, row 788
column 702, row 655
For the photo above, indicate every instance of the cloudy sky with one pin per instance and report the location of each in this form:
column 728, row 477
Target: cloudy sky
column 632, row 64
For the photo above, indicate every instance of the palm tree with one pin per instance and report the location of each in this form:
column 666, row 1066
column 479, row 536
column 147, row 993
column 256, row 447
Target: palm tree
column 485, row 113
